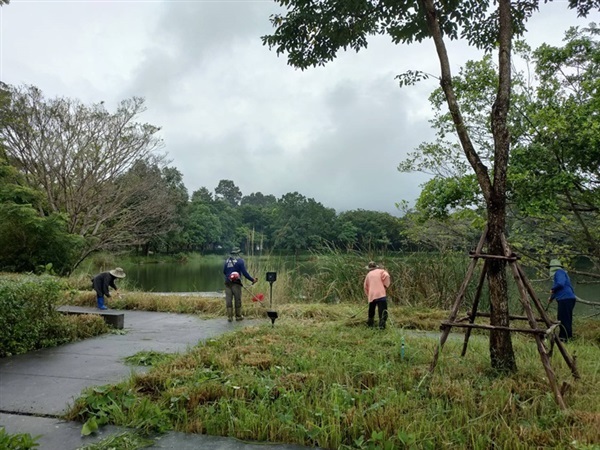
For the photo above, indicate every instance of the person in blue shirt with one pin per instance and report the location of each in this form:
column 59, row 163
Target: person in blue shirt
column 233, row 269
column 562, row 291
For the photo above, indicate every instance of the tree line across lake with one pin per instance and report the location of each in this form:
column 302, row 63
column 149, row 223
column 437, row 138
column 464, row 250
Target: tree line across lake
column 77, row 179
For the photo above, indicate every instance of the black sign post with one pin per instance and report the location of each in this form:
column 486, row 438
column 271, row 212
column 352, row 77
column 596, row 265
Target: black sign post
column 271, row 277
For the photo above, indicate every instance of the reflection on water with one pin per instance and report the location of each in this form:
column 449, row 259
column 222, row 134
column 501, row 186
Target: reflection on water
column 193, row 276
column 198, row 274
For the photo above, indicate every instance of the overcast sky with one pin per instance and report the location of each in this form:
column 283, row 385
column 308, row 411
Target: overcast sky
column 231, row 109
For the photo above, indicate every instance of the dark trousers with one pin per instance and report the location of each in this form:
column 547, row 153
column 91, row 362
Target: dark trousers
column 381, row 305
column 565, row 316
column 233, row 292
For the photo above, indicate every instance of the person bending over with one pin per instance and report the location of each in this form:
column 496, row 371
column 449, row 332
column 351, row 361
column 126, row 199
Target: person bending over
column 562, row 291
column 102, row 282
column 376, row 283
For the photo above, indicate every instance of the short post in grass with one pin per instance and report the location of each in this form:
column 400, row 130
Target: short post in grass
column 271, row 277
column 402, row 348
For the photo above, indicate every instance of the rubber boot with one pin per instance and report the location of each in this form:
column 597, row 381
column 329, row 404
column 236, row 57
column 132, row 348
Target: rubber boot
column 383, row 320
column 230, row 314
column 101, row 303
column 238, row 314
column 370, row 322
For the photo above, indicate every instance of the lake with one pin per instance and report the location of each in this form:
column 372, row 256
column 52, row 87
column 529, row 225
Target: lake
column 198, row 275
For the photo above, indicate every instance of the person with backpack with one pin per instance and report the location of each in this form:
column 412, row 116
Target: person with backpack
column 233, row 269
column 102, row 282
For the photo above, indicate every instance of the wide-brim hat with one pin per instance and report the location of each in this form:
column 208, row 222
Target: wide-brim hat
column 555, row 263
column 235, row 251
column 118, row 272
column 372, row 265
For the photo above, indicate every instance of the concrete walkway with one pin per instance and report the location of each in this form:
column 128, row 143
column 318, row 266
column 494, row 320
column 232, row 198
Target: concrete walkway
column 38, row 387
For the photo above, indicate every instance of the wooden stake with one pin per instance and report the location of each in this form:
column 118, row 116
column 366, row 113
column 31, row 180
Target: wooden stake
column 457, row 302
column 526, row 292
column 475, row 306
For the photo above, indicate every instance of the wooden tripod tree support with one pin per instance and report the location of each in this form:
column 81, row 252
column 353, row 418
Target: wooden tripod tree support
column 526, row 296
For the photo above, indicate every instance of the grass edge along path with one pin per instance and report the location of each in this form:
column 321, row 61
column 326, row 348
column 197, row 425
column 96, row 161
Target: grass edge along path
column 331, row 383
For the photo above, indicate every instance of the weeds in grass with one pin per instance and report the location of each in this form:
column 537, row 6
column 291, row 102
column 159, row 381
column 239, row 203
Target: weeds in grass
column 20, row 441
column 320, row 378
column 117, row 404
column 148, row 358
column 325, row 382
column 80, row 326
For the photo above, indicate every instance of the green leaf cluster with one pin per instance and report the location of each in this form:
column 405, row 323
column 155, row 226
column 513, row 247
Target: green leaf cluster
column 108, row 404
column 292, row 223
column 312, row 33
column 553, row 179
column 20, row 441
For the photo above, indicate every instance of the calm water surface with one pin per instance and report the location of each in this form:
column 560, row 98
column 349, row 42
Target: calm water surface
column 193, row 276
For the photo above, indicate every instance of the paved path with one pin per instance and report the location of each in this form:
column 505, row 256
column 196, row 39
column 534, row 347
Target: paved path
column 39, row 386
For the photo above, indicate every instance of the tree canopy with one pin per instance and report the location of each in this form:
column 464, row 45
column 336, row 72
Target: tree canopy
column 77, row 179
column 552, row 179
column 100, row 169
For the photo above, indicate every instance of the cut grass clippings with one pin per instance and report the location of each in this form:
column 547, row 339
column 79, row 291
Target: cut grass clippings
column 318, row 379
column 121, row 441
column 148, row 358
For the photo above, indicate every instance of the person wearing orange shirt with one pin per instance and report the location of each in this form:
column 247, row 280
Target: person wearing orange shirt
column 376, row 283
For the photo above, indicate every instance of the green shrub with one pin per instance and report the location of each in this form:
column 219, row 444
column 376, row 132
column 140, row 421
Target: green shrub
column 28, row 313
column 77, row 327
column 29, row 319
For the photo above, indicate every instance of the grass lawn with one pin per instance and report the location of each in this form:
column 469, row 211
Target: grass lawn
column 321, row 378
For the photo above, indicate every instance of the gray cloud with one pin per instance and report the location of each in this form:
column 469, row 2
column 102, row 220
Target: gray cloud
column 231, row 109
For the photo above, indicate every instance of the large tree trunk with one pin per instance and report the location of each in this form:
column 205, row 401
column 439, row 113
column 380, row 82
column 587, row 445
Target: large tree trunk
column 501, row 351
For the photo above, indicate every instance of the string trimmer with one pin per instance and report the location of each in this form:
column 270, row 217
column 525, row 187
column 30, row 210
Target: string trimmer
column 255, row 297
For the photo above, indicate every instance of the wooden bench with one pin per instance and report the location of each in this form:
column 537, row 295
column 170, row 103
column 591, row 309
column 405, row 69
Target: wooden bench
column 115, row 319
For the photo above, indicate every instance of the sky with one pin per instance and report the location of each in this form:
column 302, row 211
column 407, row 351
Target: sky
column 230, row 108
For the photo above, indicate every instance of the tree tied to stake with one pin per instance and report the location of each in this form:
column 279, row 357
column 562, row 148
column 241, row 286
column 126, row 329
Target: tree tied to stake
column 311, row 33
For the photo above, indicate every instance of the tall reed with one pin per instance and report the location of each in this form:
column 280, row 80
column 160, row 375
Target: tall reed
column 335, row 276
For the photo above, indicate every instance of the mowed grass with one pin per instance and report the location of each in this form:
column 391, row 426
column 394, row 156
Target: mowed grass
column 319, row 377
